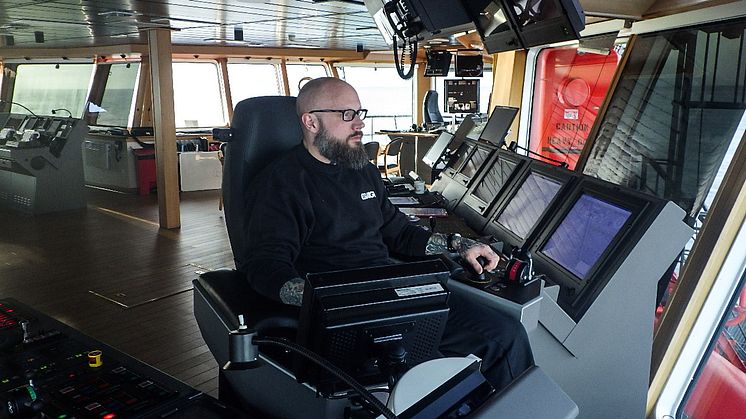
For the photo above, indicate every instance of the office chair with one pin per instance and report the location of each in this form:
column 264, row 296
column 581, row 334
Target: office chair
column 371, row 148
column 388, row 163
column 262, row 129
column 431, row 110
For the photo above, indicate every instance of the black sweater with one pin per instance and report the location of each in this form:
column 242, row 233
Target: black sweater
column 310, row 216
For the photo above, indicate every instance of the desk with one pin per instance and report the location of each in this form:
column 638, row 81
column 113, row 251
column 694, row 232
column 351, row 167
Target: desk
column 410, row 137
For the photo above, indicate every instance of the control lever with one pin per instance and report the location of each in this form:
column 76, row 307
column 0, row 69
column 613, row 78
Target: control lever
column 519, row 269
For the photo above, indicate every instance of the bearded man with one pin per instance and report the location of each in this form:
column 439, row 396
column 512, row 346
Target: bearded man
column 323, row 207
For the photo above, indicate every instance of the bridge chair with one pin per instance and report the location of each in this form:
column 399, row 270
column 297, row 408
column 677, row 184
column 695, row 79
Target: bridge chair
column 262, row 129
column 371, row 149
column 388, row 163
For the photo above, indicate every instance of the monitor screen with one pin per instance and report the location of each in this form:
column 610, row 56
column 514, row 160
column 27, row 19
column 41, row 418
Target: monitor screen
column 493, row 181
column 469, row 65
column 460, row 156
column 356, row 319
column 475, row 161
column 438, row 63
column 14, row 122
column 438, row 148
column 529, row 203
column 585, row 233
column 498, row 124
column 462, row 96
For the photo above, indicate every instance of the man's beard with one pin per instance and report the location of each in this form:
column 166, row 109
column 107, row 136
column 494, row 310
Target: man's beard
column 340, row 152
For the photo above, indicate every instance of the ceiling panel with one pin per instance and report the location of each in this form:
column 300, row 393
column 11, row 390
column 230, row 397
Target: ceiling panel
column 70, row 23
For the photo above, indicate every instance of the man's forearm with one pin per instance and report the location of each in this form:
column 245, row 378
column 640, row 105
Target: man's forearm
column 438, row 243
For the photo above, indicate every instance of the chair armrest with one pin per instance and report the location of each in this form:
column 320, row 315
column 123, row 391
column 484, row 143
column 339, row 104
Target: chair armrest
column 229, row 294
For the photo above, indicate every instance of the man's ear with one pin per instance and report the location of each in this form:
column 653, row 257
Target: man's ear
column 309, row 122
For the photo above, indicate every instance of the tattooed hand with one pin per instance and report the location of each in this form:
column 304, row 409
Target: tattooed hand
column 292, row 292
column 468, row 249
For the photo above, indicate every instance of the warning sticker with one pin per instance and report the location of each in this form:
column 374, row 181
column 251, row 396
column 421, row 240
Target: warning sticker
column 571, row 114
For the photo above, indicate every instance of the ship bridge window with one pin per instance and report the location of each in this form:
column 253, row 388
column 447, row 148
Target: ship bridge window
column 115, row 105
column 198, row 105
column 252, row 80
column 43, row 87
column 298, row 74
column 387, row 97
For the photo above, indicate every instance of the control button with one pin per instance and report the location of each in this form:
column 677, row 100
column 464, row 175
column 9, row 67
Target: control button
column 94, row 359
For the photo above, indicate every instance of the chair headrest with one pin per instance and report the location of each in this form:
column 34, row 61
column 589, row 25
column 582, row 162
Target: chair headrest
column 263, row 128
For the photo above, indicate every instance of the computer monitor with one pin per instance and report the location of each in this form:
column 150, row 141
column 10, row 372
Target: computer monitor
column 469, row 65
column 458, row 158
column 588, row 238
column 498, row 124
column 479, row 155
column 436, row 151
column 528, row 202
column 357, row 318
column 438, row 63
column 494, row 180
column 462, row 96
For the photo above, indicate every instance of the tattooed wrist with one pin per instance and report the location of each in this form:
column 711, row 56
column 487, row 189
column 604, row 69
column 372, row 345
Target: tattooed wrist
column 292, row 292
column 437, row 244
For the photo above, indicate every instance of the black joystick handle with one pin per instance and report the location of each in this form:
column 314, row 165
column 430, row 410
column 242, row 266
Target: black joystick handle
column 482, row 262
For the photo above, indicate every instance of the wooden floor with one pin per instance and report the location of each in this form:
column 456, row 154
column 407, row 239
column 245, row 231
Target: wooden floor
column 112, row 273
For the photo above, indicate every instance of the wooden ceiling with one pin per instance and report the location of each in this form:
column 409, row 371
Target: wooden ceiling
column 327, row 24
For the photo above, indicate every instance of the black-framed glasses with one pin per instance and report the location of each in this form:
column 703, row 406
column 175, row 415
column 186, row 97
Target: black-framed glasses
column 347, row 114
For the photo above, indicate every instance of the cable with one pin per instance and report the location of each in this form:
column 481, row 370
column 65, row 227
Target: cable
column 18, row 104
column 54, row 111
column 333, row 369
column 513, row 146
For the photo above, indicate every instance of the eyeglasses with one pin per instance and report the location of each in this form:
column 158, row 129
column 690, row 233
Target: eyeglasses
column 347, row 114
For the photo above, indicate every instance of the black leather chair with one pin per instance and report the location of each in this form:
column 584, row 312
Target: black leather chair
column 262, row 129
column 371, row 149
column 431, row 111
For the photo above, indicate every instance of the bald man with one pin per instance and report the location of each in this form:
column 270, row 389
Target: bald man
column 323, row 207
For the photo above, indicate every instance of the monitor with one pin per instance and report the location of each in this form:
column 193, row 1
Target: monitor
column 498, row 124
column 469, row 65
column 436, row 151
column 506, row 25
column 474, row 162
column 588, row 237
column 458, row 158
column 14, row 121
column 494, row 180
column 528, row 202
column 438, row 63
column 357, row 318
column 462, row 96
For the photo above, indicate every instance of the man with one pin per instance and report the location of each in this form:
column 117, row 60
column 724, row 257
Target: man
column 323, row 207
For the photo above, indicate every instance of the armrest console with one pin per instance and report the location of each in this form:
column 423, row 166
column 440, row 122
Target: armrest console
column 229, row 294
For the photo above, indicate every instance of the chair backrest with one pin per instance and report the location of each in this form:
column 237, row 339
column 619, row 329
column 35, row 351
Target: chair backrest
column 263, row 128
column 394, row 147
column 431, row 110
column 371, row 148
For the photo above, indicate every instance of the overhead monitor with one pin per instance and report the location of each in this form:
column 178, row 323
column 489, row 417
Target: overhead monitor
column 588, row 238
column 469, row 65
column 438, row 63
column 506, row 25
column 494, row 181
column 357, row 319
column 438, row 149
column 527, row 203
column 498, row 125
column 462, row 96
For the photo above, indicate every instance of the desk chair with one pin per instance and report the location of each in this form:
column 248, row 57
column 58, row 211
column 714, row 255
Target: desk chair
column 388, row 163
column 371, row 148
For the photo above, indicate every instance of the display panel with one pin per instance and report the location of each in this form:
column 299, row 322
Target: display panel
column 462, row 96
column 475, row 161
column 494, row 180
column 438, row 148
column 585, row 233
column 438, row 63
column 460, row 156
column 498, row 124
column 469, row 65
column 529, row 203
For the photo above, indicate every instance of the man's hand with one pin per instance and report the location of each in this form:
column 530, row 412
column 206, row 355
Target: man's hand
column 470, row 255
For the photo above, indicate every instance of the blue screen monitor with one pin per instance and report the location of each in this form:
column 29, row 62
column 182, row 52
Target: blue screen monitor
column 588, row 237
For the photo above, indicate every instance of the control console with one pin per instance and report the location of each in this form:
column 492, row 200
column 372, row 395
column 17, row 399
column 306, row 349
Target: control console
column 49, row 370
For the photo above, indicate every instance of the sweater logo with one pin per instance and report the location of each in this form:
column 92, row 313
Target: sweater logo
column 367, row 195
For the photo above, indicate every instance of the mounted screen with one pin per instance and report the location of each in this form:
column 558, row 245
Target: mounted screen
column 460, row 156
column 438, row 63
column 462, row 96
column 475, row 161
column 496, row 177
column 521, row 211
column 469, row 65
column 588, row 237
column 435, row 153
column 498, row 124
